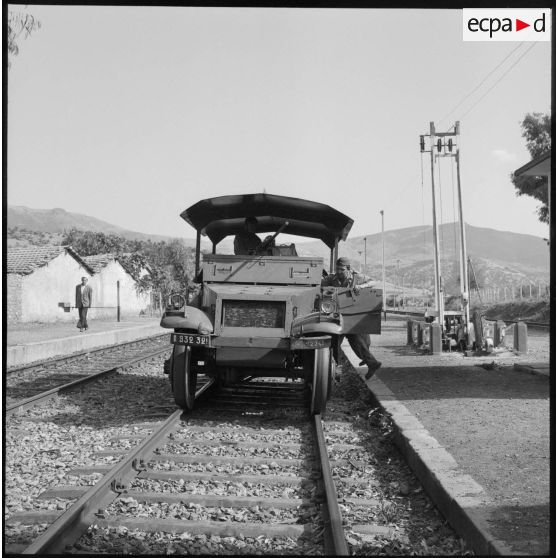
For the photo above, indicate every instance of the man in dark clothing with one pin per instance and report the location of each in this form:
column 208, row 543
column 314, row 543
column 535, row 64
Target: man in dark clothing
column 84, row 298
column 247, row 242
column 345, row 277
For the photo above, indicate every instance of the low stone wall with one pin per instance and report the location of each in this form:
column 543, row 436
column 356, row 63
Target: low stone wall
column 19, row 355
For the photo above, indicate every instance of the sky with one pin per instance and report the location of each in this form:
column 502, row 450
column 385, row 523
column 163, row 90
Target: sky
column 132, row 114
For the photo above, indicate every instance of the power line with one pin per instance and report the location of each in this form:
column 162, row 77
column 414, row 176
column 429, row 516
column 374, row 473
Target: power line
column 498, row 81
column 478, row 86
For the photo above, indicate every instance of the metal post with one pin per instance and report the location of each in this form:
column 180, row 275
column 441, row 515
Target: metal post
column 118, row 301
column 336, row 251
column 438, row 278
column 530, row 291
column 214, row 249
column 365, row 255
column 383, row 265
column 331, row 262
column 463, row 255
column 198, row 242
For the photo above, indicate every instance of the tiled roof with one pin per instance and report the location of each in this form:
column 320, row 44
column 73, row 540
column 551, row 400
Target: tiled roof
column 99, row 261
column 26, row 260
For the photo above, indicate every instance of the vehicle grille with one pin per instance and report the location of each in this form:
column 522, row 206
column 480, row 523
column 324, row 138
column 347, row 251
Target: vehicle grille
column 253, row 313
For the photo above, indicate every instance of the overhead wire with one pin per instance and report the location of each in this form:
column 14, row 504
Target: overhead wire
column 498, row 81
column 479, row 84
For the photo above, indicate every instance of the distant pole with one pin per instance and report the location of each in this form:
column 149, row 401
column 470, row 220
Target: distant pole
column 364, row 254
column 118, row 301
column 530, row 291
column 463, row 258
column 438, row 278
column 383, row 265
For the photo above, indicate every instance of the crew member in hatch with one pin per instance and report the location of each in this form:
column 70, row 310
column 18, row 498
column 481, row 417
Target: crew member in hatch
column 84, row 298
column 247, row 242
column 345, row 277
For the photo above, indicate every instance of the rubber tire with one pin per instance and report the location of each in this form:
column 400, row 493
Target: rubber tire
column 321, row 380
column 183, row 379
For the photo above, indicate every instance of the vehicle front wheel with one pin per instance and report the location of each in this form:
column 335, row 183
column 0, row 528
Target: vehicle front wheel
column 321, row 380
column 183, row 378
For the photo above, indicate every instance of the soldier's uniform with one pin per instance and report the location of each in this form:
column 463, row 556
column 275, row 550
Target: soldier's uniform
column 359, row 342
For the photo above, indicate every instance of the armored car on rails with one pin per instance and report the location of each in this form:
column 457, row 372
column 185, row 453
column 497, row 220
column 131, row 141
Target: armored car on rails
column 265, row 314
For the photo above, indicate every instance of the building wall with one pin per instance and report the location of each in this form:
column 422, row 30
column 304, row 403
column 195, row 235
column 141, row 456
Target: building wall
column 43, row 289
column 14, row 283
column 104, row 288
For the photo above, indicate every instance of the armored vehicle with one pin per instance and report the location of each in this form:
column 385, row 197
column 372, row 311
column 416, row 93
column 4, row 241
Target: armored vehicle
column 263, row 314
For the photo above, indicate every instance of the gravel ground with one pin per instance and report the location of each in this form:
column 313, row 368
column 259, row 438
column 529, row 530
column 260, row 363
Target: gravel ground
column 45, row 444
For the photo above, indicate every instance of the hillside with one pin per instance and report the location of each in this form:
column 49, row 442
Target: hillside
column 58, row 220
column 499, row 258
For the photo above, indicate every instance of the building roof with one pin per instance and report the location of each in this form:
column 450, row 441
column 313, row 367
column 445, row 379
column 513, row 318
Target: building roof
column 26, row 260
column 99, row 261
column 540, row 166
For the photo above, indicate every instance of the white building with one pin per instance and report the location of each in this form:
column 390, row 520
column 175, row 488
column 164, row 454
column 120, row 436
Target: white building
column 42, row 280
column 111, row 283
column 38, row 279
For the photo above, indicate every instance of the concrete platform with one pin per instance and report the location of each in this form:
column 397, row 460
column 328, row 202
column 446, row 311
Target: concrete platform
column 44, row 341
column 478, row 439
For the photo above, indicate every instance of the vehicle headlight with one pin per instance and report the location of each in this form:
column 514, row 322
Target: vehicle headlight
column 176, row 301
column 327, row 306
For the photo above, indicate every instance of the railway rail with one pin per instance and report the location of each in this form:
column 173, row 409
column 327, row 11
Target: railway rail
column 33, row 385
column 163, row 469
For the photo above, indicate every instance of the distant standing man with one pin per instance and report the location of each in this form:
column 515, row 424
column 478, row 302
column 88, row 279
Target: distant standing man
column 345, row 277
column 84, row 298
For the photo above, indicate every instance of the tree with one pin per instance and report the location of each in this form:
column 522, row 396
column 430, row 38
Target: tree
column 537, row 132
column 89, row 243
column 19, row 23
column 170, row 263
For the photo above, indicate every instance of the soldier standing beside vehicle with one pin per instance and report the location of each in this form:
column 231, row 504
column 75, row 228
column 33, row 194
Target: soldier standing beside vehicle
column 345, row 277
column 84, row 298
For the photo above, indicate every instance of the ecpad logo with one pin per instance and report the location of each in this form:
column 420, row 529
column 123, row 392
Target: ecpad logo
column 507, row 24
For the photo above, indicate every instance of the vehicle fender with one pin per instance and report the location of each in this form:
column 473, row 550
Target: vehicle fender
column 193, row 319
column 316, row 323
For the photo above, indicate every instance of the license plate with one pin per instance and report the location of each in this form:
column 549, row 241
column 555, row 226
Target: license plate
column 310, row 343
column 190, row 339
column 316, row 343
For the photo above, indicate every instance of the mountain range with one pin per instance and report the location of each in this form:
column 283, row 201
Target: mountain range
column 498, row 258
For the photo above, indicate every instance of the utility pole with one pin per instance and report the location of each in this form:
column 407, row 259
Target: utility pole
column 383, row 265
column 463, row 251
column 442, row 144
column 365, row 254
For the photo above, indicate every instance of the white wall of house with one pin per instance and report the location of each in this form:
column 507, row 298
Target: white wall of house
column 104, row 288
column 42, row 290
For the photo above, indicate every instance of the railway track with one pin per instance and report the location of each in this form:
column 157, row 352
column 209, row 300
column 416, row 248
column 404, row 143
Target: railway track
column 229, row 476
column 241, row 474
column 36, row 385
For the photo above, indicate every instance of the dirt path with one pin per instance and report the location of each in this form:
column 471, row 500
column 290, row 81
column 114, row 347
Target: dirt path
column 495, row 423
